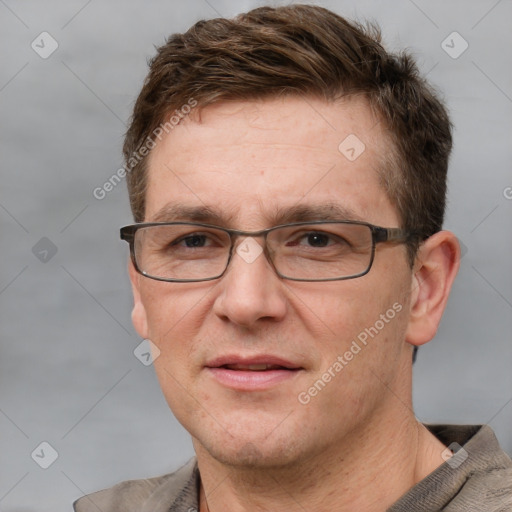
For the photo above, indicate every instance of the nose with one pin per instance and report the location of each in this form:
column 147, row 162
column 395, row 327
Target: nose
column 250, row 290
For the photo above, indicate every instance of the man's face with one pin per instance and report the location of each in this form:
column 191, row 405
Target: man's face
column 251, row 162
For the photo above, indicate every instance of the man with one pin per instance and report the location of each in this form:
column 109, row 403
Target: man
column 288, row 177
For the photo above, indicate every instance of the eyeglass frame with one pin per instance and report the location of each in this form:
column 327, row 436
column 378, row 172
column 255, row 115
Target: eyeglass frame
column 379, row 235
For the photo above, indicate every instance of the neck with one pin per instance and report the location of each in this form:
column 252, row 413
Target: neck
column 369, row 472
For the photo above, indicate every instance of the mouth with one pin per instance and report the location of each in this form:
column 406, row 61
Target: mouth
column 252, row 374
column 262, row 367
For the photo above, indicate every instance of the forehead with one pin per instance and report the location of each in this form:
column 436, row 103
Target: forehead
column 253, row 161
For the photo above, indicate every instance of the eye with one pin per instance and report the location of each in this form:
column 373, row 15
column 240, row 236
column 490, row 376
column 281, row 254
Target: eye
column 192, row 241
column 317, row 239
column 314, row 239
column 196, row 240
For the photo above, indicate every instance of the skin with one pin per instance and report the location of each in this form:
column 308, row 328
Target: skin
column 357, row 444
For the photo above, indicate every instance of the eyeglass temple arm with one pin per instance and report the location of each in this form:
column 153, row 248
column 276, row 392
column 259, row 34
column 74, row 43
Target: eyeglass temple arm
column 126, row 234
column 392, row 235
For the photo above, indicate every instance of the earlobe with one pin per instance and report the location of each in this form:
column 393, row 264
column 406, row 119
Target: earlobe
column 139, row 316
column 435, row 269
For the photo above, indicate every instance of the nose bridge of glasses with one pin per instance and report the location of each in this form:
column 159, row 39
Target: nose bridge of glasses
column 246, row 247
column 240, row 237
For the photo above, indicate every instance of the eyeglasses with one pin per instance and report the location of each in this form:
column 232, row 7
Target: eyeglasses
column 304, row 251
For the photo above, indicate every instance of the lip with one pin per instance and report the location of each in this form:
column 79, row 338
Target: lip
column 251, row 380
column 235, row 359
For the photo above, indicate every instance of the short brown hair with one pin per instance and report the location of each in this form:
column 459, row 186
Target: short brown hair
column 303, row 50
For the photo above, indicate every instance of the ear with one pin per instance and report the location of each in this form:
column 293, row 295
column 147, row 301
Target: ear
column 436, row 266
column 139, row 316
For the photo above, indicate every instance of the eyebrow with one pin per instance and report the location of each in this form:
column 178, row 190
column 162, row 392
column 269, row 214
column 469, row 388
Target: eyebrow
column 173, row 212
column 176, row 211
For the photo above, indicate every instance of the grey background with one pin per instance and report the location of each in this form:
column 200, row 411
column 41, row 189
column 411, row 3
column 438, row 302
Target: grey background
column 68, row 375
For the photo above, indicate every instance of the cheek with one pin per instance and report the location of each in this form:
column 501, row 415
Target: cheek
column 175, row 317
column 173, row 311
column 359, row 365
column 365, row 322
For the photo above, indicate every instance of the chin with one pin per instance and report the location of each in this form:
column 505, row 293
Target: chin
column 247, row 446
column 243, row 454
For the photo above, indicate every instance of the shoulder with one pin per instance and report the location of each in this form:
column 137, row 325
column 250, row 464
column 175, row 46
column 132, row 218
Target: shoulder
column 477, row 477
column 488, row 475
column 159, row 493
column 491, row 489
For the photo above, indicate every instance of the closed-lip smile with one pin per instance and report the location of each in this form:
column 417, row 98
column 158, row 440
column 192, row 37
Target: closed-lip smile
column 251, row 373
